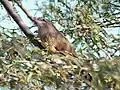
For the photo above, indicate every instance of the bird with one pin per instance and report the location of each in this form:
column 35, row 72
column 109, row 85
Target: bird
column 53, row 39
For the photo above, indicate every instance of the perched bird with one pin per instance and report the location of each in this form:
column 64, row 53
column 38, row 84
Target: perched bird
column 53, row 39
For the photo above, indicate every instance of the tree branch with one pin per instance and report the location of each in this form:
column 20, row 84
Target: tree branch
column 20, row 23
column 110, row 24
column 25, row 11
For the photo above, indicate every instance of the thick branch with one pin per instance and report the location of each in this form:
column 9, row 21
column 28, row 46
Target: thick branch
column 20, row 23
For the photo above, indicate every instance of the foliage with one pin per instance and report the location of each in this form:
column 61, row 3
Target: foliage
column 85, row 23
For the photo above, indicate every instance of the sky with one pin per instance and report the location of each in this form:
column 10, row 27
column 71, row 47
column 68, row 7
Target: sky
column 30, row 4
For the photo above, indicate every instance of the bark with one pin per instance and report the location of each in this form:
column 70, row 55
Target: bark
column 20, row 23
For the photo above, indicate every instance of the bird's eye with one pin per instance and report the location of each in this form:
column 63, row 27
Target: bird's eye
column 43, row 20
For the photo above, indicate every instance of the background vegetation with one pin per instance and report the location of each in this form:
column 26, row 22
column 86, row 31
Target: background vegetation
column 92, row 26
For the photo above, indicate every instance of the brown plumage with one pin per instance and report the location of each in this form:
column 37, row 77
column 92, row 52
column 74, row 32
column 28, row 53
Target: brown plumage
column 52, row 38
